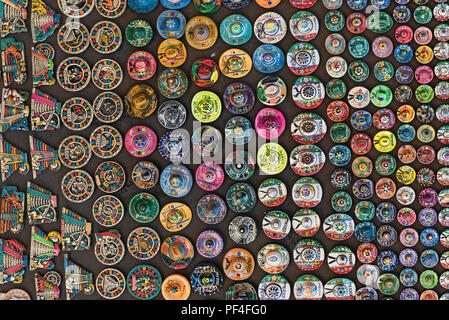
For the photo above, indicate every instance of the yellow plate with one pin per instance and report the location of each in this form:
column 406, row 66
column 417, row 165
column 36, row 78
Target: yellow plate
column 235, row 63
column 206, row 106
column 272, row 158
column 175, row 216
column 172, row 53
column 141, row 101
column 424, row 54
column 267, row 4
column 406, row 174
column 201, row 32
column 175, row 287
column 384, row 141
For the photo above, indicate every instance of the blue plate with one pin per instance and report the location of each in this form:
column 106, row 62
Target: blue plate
column 176, row 180
column 361, row 120
column 403, row 53
column 357, row 5
column 268, row 58
column 340, row 155
column 236, row 30
column 143, row 6
column 175, row 4
column 171, row 24
column 406, row 133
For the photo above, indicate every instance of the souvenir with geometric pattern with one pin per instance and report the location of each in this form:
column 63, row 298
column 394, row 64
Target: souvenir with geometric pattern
column 13, row 261
column 75, row 231
column 47, row 286
column 13, row 14
column 43, row 248
column 42, row 65
column 108, row 107
column 42, row 157
column 45, row 111
column 77, row 114
column 13, row 110
column 12, row 159
column 74, row 152
column 13, row 61
column 12, row 210
column 44, row 20
column 77, row 279
column 110, row 176
column 77, row 186
column 110, row 283
column 41, row 205
column 73, row 37
column 107, row 74
column 105, row 37
column 109, row 248
column 106, row 142
column 73, row 74
column 108, row 210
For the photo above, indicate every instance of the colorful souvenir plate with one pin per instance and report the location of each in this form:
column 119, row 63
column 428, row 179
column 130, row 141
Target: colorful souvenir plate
column 141, row 65
column 139, row 33
column 271, row 90
column 211, row 209
column 77, row 186
column 206, row 279
column 172, row 83
column 140, row 141
column 110, row 177
column 76, row 114
column 304, row 26
column 144, row 282
column 108, row 107
column 240, row 165
column 273, row 258
column 73, row 74
column 207, row 6
column 74, row 152
column 241, row 197
column 306, row 222
column 110, row 283
column 175, row 287
column 238, row 130
column 141, row 101
column 303, row 58
column 206, row 106
column 243, row 230
column 341, row 259
column 109, row 249
column 145, row 175
column 177, row 252
column 171, row 24
column 108, row 210
column 175, row 216
column 308, row 254
column 307, row 192
column 307, row 160
column 338, row 226
column 235, row 30
column 143, row 6
column 105, row 37
column 268, row 58
column 238, row 264
column 201, row 32
column 209, row 176
column 73, row 37
column 270, row 27
column 276, row 225
column 205, row 72
column 235, row 63
column 143, row 207
column 143, row 243
column 209, row 244
column 308, row 128
column 272, row 158
column 106, row 142
column 172, row 53
column 176, row 180
column 308, row 92
column 272, row 192
column 107, row 74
